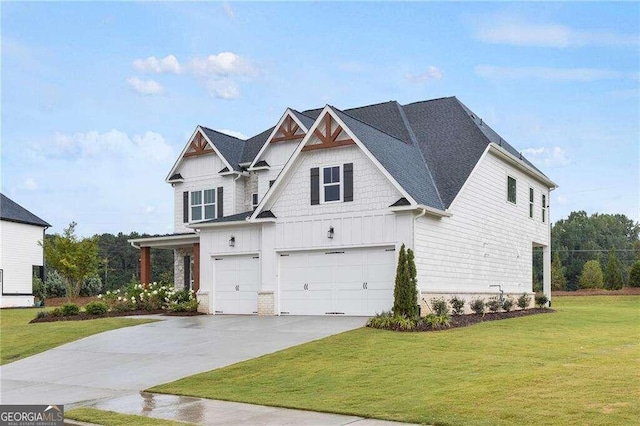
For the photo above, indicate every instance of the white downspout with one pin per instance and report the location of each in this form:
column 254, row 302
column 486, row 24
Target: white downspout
column 415, row 220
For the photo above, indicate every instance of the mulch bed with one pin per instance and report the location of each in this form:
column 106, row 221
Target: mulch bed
column 59, row 301
column 82, row 316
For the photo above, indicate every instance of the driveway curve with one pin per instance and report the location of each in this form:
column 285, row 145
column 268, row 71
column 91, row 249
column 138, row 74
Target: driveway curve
column 119, row 362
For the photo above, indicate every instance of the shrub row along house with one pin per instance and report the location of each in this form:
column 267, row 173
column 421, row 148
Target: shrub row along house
column 306, row 218
column 21, row 254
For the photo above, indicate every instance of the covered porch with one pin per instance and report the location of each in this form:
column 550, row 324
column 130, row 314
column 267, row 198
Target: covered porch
column 186, row 248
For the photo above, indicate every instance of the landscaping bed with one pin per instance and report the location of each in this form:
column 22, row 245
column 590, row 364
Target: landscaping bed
column 470, row 319
column 82, row 316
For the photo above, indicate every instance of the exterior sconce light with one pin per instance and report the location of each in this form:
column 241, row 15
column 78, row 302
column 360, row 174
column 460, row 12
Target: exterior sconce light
column 232, row 241
column 330, row 232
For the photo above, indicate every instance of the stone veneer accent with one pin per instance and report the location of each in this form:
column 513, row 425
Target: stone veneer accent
column 266, row 303
column 468, row 297
column 178, row 266
column 203, row 301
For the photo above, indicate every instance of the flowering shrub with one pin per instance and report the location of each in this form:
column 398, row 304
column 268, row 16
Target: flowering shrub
column 150, row 297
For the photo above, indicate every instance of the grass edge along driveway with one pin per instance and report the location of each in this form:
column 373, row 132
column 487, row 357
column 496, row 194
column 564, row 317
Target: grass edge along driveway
column 111, row 418
column 576, row 366
column 19, row 339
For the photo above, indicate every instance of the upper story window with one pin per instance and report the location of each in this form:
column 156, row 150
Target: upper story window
column 331, row 184
column 531, row 203
column 544, row 208
column 203, row 205
column 511, row 189
column 254, row 200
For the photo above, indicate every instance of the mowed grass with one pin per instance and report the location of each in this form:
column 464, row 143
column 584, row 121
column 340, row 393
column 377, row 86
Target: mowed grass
column 111, row 418
column 580, row 365
column 19, row 339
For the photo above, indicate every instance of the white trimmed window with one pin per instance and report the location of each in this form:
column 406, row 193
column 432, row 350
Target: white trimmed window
column 544, row 208
column 331, row 188
column 203, row 205
column 254, row 200
column 511, row 189
column 531, row 197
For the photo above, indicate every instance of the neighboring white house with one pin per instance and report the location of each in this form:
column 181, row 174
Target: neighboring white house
column 21, row 254
column 307, row 218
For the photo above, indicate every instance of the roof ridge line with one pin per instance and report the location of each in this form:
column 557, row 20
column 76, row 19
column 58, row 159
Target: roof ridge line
column 430, row 100
column 414, row 139
column 367, row 124
column 222, row 133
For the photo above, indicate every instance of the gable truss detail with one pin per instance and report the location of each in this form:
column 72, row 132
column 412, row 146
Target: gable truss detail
column 328, row 138
column 198, row 146
column 288, row 131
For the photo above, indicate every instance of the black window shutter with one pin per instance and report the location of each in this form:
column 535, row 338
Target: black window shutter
column 185, row 207
column 315, row 186
column 220, row 202
column 348, row 182
column 187, row 271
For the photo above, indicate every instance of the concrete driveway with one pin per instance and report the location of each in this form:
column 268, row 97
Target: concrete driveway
column 119, row 362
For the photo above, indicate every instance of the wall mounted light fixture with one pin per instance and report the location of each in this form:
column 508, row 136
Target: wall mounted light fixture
column 232, row 241
column 330, row 232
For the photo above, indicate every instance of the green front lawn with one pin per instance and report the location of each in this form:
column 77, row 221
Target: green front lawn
column 111, row 418
column 579, row 365
column 19, row 339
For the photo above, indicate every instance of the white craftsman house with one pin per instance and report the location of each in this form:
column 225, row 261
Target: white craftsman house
column 21, row 254
column 307, row 218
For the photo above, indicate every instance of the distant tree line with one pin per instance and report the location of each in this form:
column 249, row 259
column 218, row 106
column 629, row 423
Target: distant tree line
column 596, row 251
column 88, row 266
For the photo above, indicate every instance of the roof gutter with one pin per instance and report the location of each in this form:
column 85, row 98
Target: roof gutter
column 505, row 155
column 425, row 210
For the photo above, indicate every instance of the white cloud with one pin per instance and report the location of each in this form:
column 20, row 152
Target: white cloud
column 233, row 133
column 30, row 184
column 550, row 157
column 546, row 73
column 223, row 89
column 219, row 73
column 228, row 10
column 168, row 64
column 145, row 87
column 516, row 31
column 432, row 73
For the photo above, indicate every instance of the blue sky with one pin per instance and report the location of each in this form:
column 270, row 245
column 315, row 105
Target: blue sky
column 98, row 99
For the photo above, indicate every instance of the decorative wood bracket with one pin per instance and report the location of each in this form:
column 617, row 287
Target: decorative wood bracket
column 288, row 131
column 198, row 146
column 328, row 139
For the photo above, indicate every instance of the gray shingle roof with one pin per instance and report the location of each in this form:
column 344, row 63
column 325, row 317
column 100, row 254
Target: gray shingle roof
column 429, row 147
column 403, row 161
column 14, row 212
column 240, row 217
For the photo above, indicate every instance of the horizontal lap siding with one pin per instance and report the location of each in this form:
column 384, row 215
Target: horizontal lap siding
column 20, row 251
column 487, row 240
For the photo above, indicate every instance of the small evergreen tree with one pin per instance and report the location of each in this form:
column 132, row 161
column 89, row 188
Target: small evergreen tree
column 634, row 274
column 558, row 280
column 613, row 276
column 405, row 297
column 591, row 275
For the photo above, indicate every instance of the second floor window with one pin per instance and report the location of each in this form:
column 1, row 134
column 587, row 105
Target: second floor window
column 511, row 189
column 203, row 205
column 331, row 187
column 254, row 200
column 544, row 208
column 531, row 203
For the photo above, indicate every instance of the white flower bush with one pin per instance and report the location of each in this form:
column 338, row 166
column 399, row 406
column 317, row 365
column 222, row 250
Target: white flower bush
column 150, row 297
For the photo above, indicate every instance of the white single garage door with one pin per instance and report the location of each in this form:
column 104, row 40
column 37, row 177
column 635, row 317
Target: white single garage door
column 344, row 281
column 236, row 280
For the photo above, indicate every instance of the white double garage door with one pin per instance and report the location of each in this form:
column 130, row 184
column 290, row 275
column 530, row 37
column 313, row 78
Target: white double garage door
column 356, row 281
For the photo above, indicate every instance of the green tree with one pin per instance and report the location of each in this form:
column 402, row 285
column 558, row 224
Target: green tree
column 558, row 280
column 613, row 275
column 75, row 259
column 591, row 276
column 405, row 298
column 634, row 274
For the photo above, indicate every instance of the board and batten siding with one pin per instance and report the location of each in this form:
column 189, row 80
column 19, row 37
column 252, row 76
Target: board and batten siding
column 201, row 172
column 276, row 155
column 488, row 240
column 20, row 251
column 372, row 191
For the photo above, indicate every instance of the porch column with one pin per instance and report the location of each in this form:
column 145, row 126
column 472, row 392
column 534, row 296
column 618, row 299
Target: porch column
column 546, row 272
column 196, row 267
column 145, row 265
